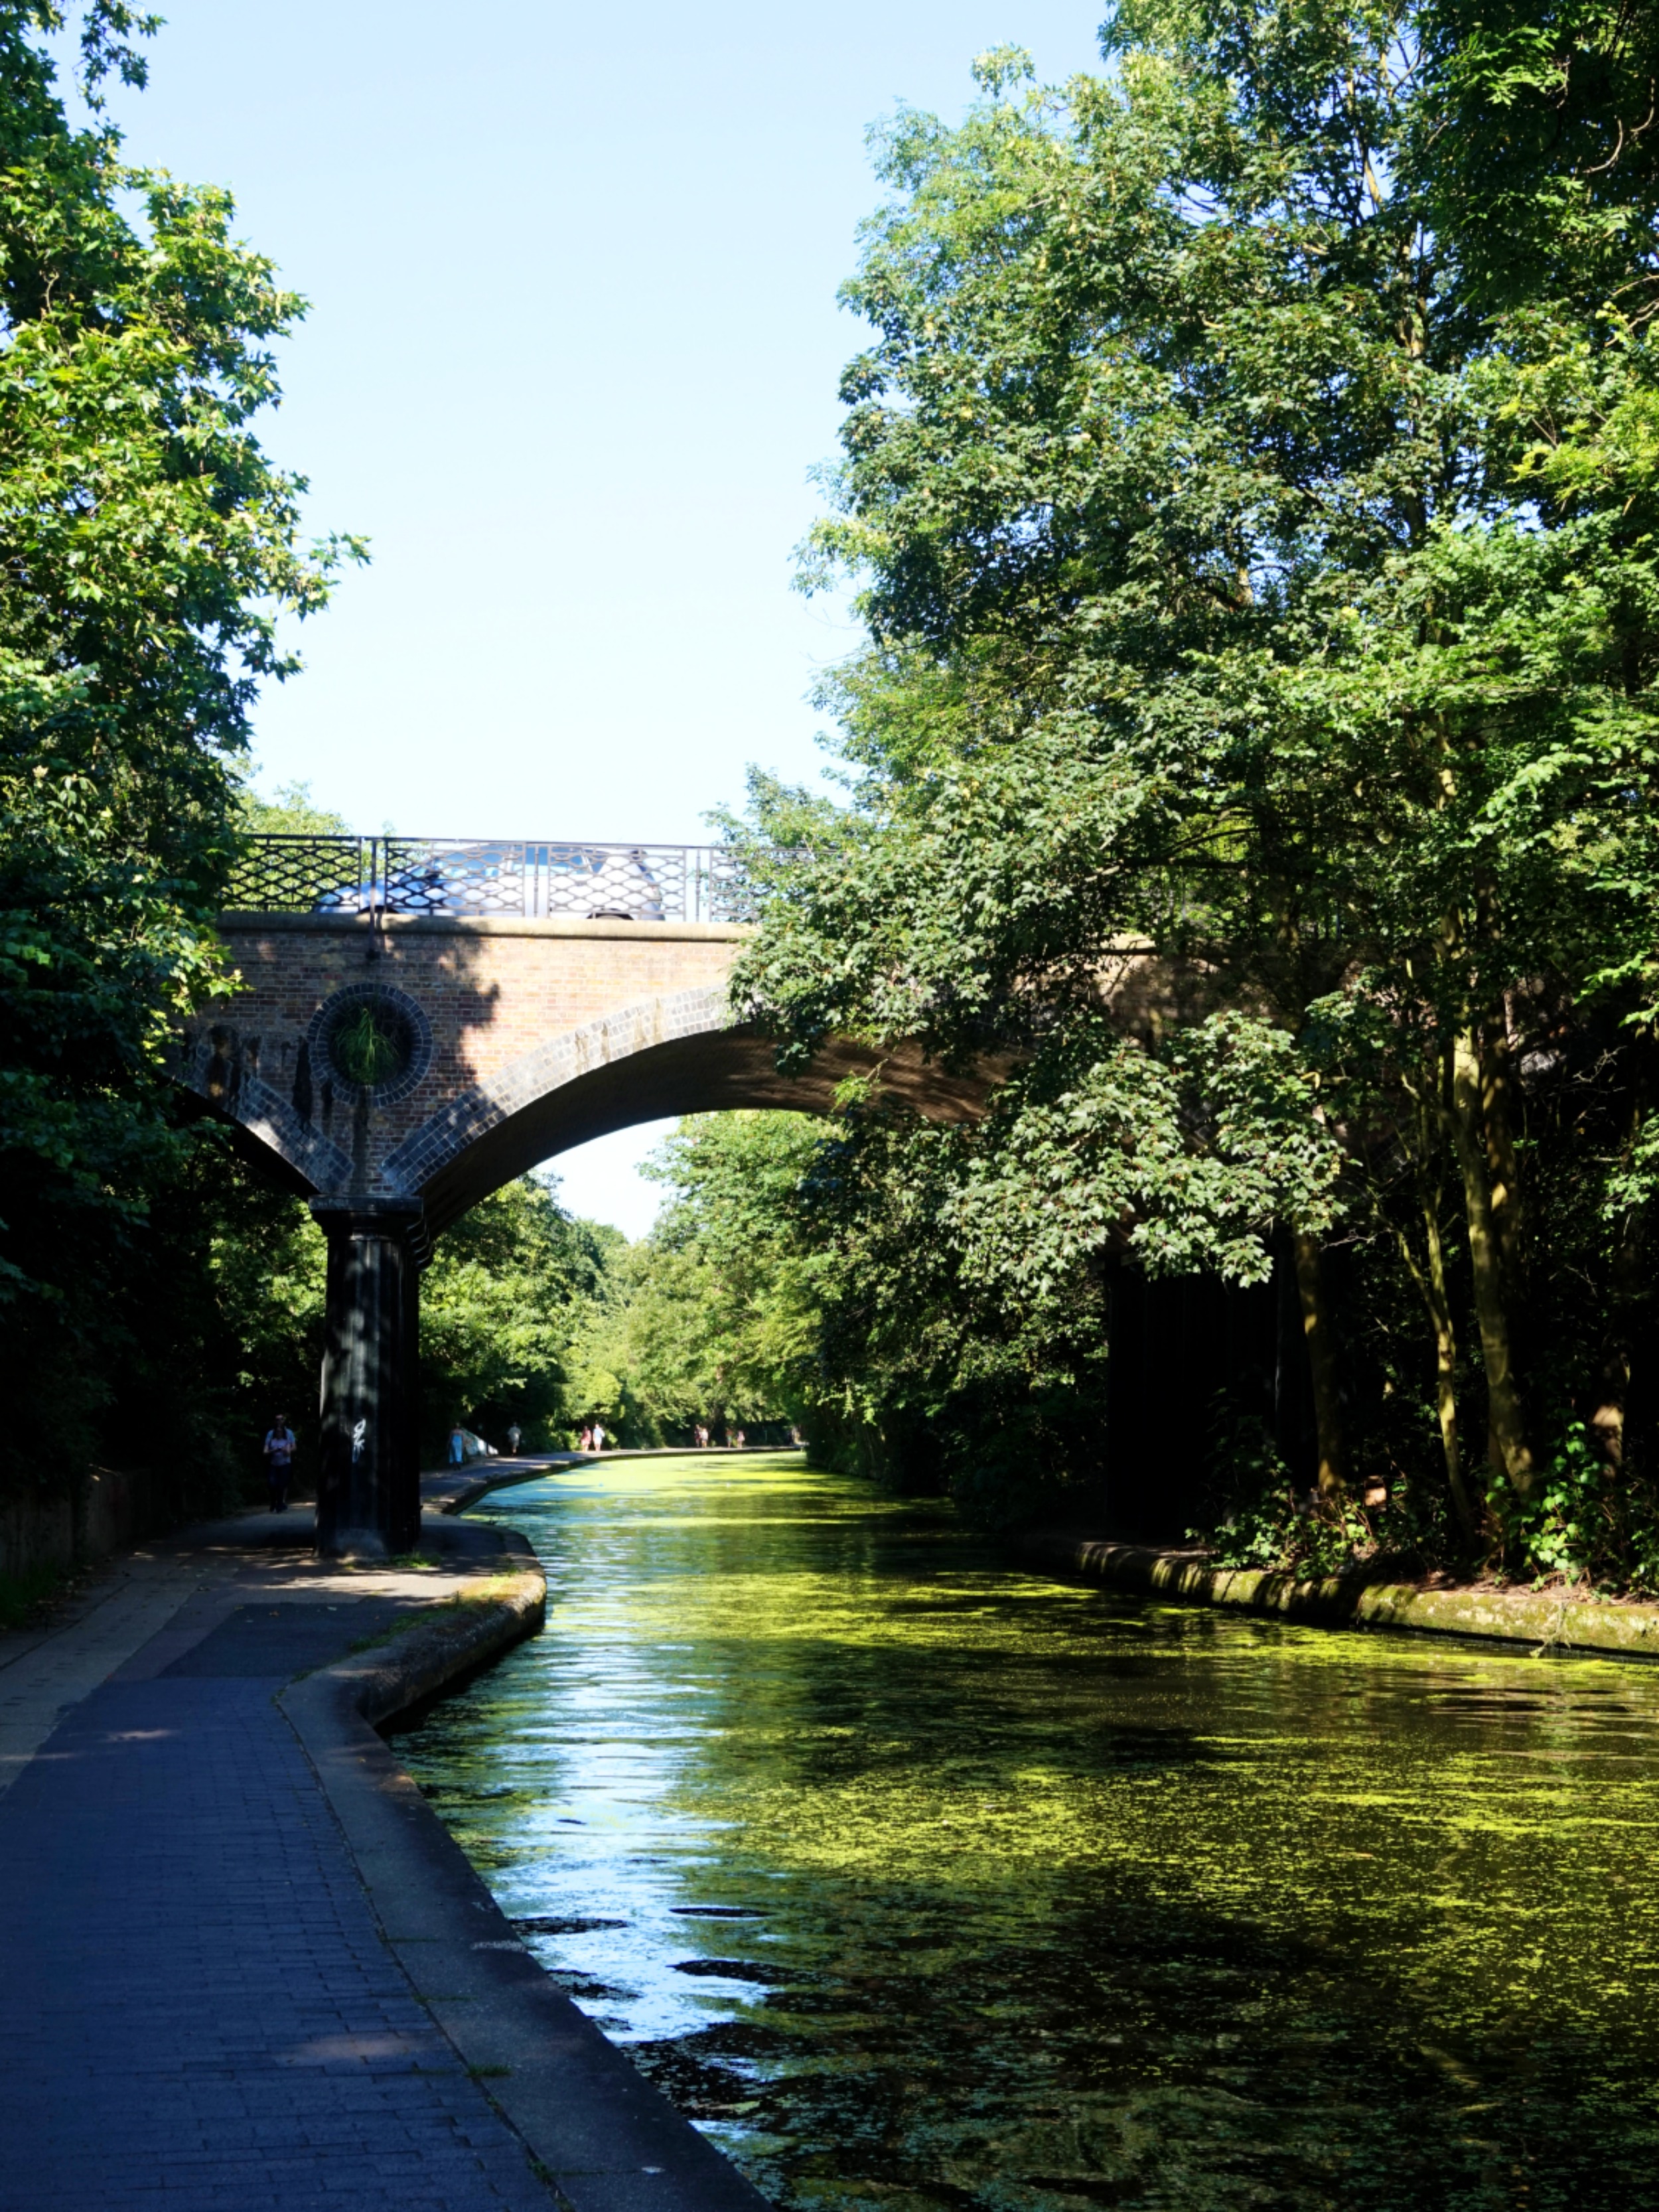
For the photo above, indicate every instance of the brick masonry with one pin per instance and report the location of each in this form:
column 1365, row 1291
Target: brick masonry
column 532, row 1036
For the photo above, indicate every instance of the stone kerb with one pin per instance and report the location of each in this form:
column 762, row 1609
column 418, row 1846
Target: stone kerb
column 1563, row 1622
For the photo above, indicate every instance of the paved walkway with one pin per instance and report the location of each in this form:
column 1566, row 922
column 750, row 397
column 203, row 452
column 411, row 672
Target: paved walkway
column 198, row 2008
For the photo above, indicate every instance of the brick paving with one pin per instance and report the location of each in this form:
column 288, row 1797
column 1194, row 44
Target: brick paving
column 44, row 1671
column 198, row 2010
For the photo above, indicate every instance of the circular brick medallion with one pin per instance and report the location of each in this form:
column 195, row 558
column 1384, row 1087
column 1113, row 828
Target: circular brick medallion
column 372, row 1041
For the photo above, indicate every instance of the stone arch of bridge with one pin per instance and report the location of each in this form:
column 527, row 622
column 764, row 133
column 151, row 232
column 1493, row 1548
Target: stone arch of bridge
column 673, row 1054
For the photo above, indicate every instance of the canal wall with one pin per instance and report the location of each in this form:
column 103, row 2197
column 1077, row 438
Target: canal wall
column 73, row 1522
column 1540, row 1619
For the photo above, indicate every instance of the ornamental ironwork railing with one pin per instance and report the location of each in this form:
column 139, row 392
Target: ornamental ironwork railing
column 486, row 876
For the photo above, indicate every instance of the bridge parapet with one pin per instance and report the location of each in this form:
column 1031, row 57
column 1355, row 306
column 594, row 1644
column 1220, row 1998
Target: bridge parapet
column 533, row 878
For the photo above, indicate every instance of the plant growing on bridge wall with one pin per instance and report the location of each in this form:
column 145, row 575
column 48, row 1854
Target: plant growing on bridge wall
column 366, row 1047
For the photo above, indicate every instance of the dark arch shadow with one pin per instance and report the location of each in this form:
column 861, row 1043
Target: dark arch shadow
column 266, row 1147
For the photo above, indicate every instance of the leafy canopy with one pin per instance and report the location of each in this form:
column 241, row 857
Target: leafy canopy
column 1249, row 487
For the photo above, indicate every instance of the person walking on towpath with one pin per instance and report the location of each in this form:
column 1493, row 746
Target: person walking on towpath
column 457, row 1445
column 599, row 1436
column 279, row 1443
column 515, row 1438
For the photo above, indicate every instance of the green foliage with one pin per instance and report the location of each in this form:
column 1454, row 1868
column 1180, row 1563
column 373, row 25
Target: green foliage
column 1566, row 1527
column 500, row 1306
column 714, row 1315
column 1263, row 1518
column 1535, row 143
column 195, row 1323
column 1249, row 486
column 151, row 551
column 1190, row 1155
column 1258, row 1516
column 366, row 1048
column 1585, row 1525
column 291, row 812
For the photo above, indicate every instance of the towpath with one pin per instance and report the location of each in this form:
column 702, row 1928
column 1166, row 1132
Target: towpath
column 243, row 1966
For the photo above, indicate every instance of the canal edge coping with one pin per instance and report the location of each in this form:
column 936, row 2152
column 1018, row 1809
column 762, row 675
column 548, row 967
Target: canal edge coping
column 1526, row 1617
column 602, row 2136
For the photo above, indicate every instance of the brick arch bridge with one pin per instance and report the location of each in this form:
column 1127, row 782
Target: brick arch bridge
column 423, row 1020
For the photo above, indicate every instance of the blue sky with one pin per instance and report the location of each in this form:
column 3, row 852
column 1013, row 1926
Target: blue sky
column 572, row 352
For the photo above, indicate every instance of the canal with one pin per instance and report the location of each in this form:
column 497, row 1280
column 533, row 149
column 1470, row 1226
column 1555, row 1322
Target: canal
column 920, row 1881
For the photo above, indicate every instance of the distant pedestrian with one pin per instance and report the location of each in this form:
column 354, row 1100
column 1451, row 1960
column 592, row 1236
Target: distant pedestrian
column 599, row 1436
column 457, row 1446
column 515, row 1438
column 737, row 1438
column 586, row 1441
column 280, row 1445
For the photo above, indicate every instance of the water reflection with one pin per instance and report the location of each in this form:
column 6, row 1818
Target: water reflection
column 919, row 1881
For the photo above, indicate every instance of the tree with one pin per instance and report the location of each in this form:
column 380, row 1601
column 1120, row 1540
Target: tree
column 147, row 550
column 499, row 1304
column 714, row 1315
column 1254, row 583
column 291, row 812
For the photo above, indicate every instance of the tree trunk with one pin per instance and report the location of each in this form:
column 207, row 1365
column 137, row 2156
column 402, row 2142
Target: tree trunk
column 1431, row 1281
column 1606, row 1424
column 1322, row 1363
column 1511, row 1449
column 1445, row 1375
column 1504, row 1182
column 1503, row 1168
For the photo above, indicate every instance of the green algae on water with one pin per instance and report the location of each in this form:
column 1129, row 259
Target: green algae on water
column 917, row 1881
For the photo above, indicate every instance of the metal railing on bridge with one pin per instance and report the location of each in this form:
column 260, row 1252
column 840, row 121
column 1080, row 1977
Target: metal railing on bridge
column 486, row 876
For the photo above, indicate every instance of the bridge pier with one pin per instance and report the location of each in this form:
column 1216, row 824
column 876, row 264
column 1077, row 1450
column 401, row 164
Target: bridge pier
column 368, row 1495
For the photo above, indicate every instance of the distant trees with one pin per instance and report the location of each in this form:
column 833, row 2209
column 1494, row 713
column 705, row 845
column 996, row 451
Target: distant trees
column 508, row 1292
column 715, row 1316
column 1250, row 486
